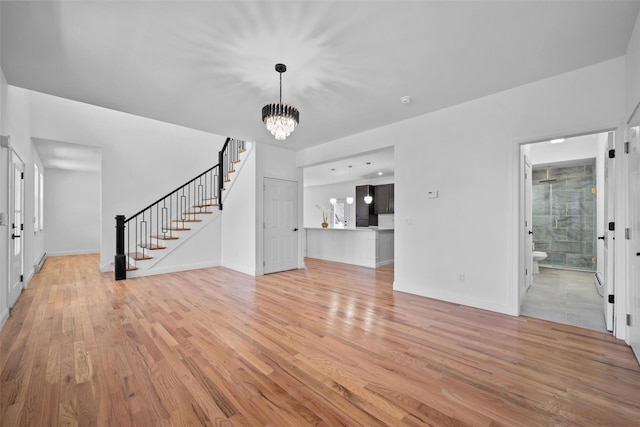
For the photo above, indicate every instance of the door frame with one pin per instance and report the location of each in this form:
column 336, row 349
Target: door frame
column 608, row 270
column 527, row 226
column 633, row 255
column 12, row 159
column 518, row 208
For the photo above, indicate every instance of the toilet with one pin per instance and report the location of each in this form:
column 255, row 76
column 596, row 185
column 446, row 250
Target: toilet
column 538, row 256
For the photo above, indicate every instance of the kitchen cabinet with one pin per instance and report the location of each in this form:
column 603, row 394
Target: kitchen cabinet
column 365, row 214
column 383, row 202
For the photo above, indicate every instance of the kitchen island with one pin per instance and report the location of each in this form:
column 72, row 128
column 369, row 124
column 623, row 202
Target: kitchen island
column 368, row 246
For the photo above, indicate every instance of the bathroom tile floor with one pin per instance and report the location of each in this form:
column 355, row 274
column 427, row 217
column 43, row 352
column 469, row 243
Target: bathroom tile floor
column 565, row 296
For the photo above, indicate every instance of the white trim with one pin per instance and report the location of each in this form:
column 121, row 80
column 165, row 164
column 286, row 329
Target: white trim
column 4, row 318
column 515, row 264
column 514, row 260
column 171, row 269
column 78, row 252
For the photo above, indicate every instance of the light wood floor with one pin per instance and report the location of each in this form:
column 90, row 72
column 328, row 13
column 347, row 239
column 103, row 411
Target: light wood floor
column 330, row 345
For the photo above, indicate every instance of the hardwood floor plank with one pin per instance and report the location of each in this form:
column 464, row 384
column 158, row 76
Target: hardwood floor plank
column 328, row 345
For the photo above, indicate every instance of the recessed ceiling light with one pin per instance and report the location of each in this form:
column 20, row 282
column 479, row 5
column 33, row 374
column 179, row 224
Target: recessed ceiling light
column 405, row 99
column 557, row 141
column 379, row 173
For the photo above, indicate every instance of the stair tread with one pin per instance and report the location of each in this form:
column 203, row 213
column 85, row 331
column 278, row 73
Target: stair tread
column 178, row 229
column 198, row 213
column 152, row 246
column 236, row 161
column 164, row 237
column 138, row 256
column 187, row 220
column 206, row 205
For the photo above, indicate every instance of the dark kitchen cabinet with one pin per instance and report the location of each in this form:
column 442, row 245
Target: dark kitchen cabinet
column 384, row 199
column 365, row 214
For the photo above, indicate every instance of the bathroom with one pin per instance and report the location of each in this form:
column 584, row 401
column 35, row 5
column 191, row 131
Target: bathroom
column 567, row 217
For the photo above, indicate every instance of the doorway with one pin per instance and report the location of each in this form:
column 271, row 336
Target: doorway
column 16, row 219
column 280, row 225
column 563, row 216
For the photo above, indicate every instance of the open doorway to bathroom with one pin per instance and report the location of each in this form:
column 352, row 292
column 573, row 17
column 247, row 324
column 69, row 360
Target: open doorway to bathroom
column 565, row 201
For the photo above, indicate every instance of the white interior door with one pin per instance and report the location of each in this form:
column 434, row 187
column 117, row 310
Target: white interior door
column 634, row 261
column 16, row 215
column 528, row 224
column 280, row 225
column 609, row 207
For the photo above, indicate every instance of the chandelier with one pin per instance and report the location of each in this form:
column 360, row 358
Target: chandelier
column 281, row 119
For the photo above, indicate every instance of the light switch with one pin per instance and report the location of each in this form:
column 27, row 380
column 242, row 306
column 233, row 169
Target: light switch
column 432, row 194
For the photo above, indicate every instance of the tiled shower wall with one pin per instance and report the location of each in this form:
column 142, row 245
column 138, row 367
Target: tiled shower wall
column 564, row 216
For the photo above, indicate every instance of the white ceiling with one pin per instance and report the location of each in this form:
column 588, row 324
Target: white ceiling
column 381, row 166
column 68, row 156
column 209, row 65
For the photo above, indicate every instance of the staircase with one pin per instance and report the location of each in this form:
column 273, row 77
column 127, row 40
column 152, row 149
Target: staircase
column 144, row 239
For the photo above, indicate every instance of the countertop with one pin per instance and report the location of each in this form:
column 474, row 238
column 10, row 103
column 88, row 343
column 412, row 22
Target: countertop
column 352, row 228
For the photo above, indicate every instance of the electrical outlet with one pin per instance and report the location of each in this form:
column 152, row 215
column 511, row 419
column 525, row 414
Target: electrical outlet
column 461, row 278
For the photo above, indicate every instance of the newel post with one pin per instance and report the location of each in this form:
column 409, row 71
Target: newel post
column 221, row 177
column 120, row 259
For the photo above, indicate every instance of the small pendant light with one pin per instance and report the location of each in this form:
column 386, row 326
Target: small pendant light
column 368, row 198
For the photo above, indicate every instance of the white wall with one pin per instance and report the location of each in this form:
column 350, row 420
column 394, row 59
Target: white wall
column 4, row 184
column 239, row 217
column 632, row 82
column 470, row 154
column 16, row 124
column 71, row 212
column 582, row 147
column 142, row 159
column 278, row 163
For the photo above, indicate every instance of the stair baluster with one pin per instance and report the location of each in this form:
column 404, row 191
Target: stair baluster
column 135, row 237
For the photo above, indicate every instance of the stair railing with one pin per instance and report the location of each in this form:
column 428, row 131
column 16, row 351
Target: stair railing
column 164, row 219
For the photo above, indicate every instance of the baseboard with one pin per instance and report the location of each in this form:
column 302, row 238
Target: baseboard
column 597, row 281
column 170, row 269
column 107, row 268
column 78, row 252
column 37, row 266
column 4, row 318
column 240, row 268
column 443, row 295
column 385, row 262
column 28, row 278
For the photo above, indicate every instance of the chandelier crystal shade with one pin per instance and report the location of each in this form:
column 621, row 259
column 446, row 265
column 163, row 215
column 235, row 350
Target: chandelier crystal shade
column 280, row 119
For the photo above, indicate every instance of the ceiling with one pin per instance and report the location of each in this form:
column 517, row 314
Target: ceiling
column 68, row 156
column 209, row 65
column 381, row 166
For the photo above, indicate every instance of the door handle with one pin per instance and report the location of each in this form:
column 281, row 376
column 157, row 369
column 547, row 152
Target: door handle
column 295, row 229
column 530, row 232
column 13, row 236
column 601, row 238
